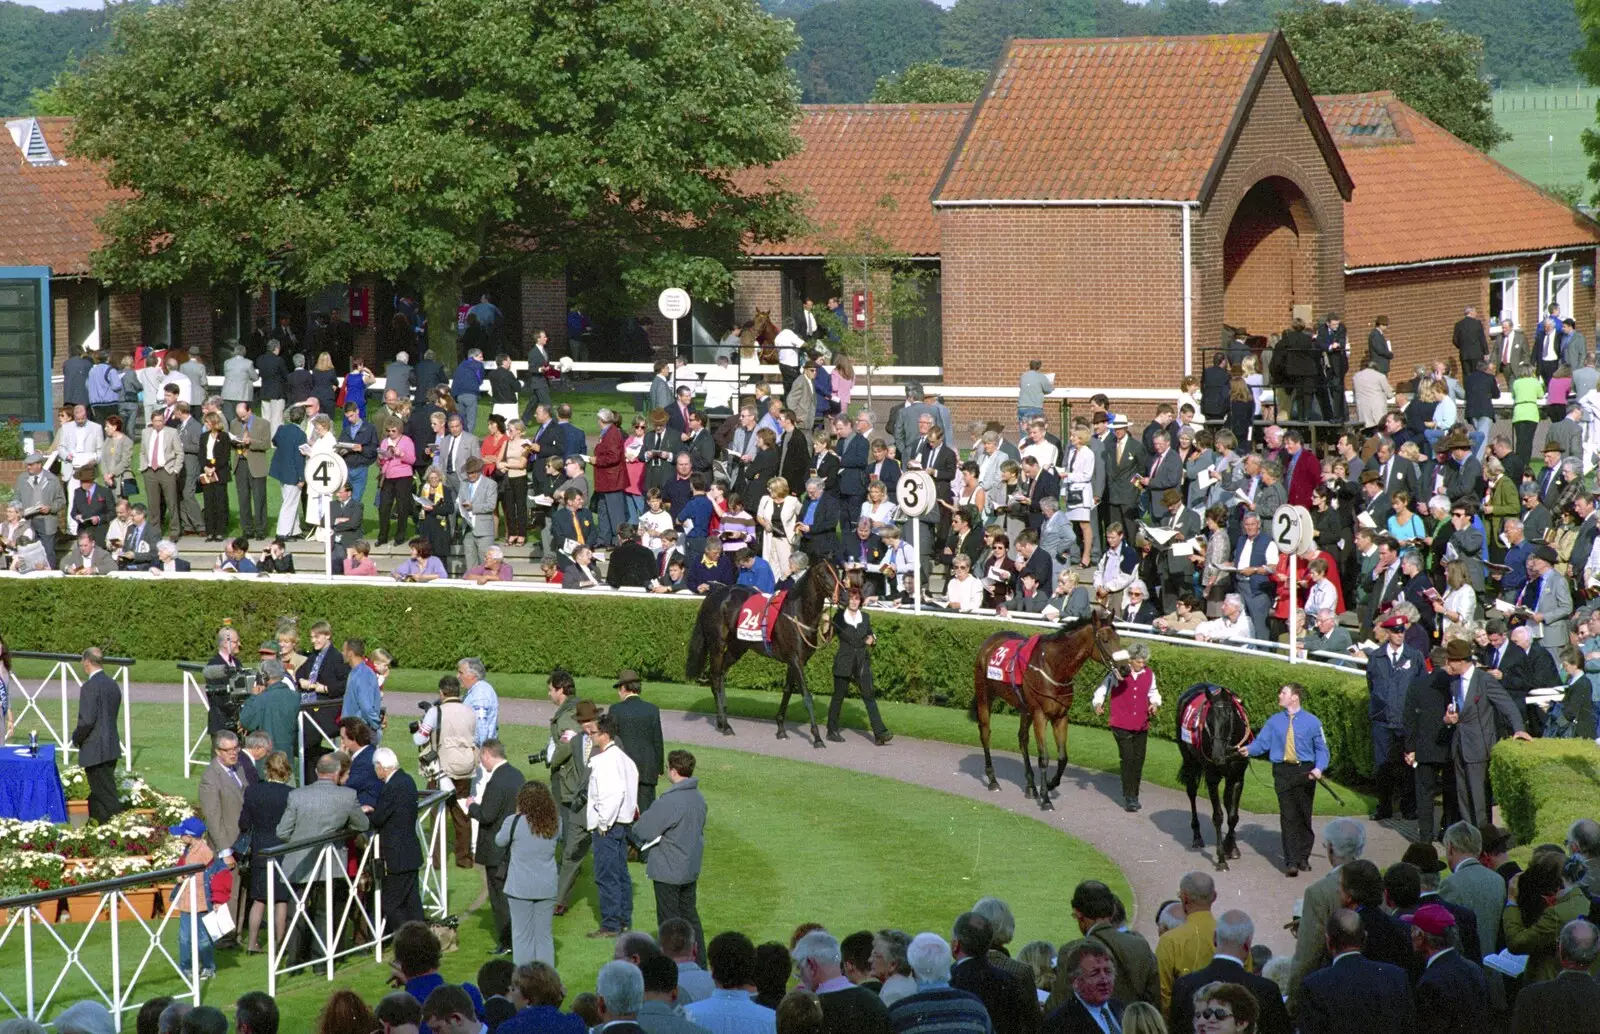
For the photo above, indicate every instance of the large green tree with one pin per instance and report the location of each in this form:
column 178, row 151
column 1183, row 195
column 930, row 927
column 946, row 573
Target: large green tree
column 846, row 45
column 976, row 31
column 930, row 83
column 1524, row 41
column 296, row 143
column 35, row 46
column 1363, row 46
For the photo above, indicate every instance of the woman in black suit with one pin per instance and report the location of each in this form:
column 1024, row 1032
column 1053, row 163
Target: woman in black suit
column 264, row 804
column 763, row 465
column 853, row 663
column 216, row 472
column 325, row 386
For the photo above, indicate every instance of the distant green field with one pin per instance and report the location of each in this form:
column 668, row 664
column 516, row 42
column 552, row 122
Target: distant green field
column 1545, row 124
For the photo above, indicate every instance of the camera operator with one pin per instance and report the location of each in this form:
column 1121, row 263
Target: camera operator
column 273, row 707
column 447, row 732
column 220, row 674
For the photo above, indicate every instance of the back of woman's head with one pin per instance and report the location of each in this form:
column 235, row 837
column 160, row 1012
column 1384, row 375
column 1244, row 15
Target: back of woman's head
column 1142, row 1018
column 800, row 1012
column 1538, row 882
column 346, row 1013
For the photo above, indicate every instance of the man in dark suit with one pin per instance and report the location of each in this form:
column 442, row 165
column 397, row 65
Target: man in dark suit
column 1234, row 932
column 1163, row 469
column 321, row 679
column 1013, row 1008
column 1476, row 699
column 274, row 384
column 1353, row 994
column 1390, row 670
column 846, row 1008
column 495, row 799
column 818, row 522
column 639, row 730
column 92, row 505
column 1472, row 344
column 346, row 513
column 1385, row 938
column 1452, row 995
column 1571, row 1001
column 1427, row 744
column 355, row 739
column 429, row 375
column 1125, row 459
column 854, row 457
column 394, row 819
column 1090, row 1009
column 95, row 737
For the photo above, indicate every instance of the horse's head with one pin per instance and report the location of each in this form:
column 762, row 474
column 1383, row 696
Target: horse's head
column 1225, row 730
column 1107, row 647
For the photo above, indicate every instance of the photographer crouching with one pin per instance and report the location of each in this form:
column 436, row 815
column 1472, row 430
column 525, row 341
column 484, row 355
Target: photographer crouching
column 448, row 755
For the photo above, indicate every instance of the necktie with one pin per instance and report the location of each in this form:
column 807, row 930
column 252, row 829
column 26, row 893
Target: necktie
column 1459, row 693
column 1291, row 756
column 1110, row 1021
column 577, row 528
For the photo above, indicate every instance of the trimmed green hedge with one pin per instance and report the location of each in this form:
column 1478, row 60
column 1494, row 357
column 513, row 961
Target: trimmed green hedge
column 1545, row 786
column 919, row 660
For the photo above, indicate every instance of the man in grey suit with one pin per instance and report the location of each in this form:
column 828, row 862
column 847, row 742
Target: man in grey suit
column 1575, row 349
column 1554, row 606
column 221, row 801
column 238, row 378
column 1514, row 356
column 1471, row 884
column 397, row 376
column 1163, row 470
column 476, row 499
column 318, row 809
column 250, row 477
column 1477, row 697
column 42, row 499
column 456, row 447
column 95, row 736
column 190, row 433
column 161, row 465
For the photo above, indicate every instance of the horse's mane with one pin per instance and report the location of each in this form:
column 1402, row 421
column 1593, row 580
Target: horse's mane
column 1074, row 625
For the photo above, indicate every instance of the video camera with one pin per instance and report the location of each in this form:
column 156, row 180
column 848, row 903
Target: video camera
column 233, row 683
column 424, row 706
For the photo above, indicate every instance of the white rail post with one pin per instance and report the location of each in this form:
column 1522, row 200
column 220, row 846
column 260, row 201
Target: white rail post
column 273, row 870
column 117, row 901
column 127, row 730
column 194, row 934
column 66, row 735
column 327, row 905
column 916, row 572
column 377, row 898
column 27, row 957
column 1294, row 614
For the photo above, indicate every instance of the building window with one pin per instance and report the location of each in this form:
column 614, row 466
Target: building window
column 1557, row 289
column 1503, row 295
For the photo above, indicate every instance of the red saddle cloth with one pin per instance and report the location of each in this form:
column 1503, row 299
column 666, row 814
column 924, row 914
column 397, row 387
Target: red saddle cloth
column 1009, row 662
column 1195, row 711
column 757, row 617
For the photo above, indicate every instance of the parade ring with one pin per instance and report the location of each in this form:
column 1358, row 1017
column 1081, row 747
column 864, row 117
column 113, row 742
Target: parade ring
column 787, row 841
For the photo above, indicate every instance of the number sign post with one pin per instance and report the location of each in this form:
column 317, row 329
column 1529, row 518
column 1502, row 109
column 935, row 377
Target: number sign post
column 1293, row 531
column 914, row 494
column 326, row 473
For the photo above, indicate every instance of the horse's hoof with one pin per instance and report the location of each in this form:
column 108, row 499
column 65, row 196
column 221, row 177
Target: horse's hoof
column 1197, row 843
column 1222, row 865
column 994, row 786
column 783, row 733
column 1030, row 792
column 816, row 743
column 726, row 730
column 1233, row 852
column 1044, row 803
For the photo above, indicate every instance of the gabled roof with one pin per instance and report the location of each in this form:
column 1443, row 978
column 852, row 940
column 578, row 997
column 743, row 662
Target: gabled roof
column 865, row 164
column 48, row 209
column 1412, row 170
column 1146, row 118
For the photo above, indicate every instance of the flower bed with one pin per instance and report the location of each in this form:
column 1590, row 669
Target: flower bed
column 41, row 856
column 163, row 809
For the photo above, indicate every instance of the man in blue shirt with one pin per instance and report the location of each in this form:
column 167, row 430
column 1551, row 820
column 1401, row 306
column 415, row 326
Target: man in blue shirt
column 694, row 522
column 755, row 572
column 1293, row 739
column 464, row 387
column 731, row 1009
column 363, row 698
column 477, row 694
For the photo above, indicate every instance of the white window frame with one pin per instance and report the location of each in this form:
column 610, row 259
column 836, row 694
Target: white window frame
column 1557, row 287
column 1506, row 277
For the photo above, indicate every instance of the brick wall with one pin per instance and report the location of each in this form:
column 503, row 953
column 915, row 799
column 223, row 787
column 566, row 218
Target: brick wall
column 125, row 330
column 60, row 336
column 757, row 289
column 196, row 326
column 542, row 305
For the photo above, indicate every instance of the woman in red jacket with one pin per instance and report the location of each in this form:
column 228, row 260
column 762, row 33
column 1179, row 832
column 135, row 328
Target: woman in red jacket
column 1134, row 699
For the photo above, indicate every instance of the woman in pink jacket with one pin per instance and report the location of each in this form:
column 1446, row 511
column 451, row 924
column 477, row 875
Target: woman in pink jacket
column 397, row 458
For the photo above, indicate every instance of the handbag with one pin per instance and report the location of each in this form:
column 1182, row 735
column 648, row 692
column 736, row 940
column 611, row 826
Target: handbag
column 130, row 487
column 1077, row 496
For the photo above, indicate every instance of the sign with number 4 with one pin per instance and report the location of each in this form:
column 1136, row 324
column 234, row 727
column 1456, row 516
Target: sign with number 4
column 326, row 473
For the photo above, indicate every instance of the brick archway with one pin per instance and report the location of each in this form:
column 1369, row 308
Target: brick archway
column 1269, row 256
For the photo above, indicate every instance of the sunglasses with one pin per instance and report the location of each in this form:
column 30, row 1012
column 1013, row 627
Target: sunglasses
column 1215, row 1014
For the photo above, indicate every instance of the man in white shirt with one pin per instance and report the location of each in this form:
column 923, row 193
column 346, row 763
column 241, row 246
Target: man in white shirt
column 613, row 805
column 80, row 442
column 790, row 347
column 1232, row 627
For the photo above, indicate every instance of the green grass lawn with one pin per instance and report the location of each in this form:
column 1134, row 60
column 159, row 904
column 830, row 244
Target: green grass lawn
column 1546, row 126
column 1087, row 746
column 787, row 842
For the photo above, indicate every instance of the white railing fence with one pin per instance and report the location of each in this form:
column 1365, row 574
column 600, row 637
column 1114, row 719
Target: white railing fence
column 67, row 675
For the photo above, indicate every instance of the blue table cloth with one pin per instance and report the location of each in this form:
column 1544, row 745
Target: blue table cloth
column 30, row 787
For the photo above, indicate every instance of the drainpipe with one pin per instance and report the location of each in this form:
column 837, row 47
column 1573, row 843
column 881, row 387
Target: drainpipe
column 1544, row 287
column 1188, row 294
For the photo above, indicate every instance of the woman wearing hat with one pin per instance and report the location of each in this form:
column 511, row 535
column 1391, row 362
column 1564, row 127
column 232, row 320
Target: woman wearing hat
column 853, row 663
column 1134, row 698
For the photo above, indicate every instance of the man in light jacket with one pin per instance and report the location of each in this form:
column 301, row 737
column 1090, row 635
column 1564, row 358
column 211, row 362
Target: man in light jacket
column 238, row 377
column 677, row 822
column 613, row 806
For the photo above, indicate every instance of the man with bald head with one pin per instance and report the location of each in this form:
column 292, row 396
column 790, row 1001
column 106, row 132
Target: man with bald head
column 1235, row 932
column 1353, row 994
column 1189, row 947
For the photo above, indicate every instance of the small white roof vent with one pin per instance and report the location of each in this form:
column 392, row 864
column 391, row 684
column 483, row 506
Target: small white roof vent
column 29, row 138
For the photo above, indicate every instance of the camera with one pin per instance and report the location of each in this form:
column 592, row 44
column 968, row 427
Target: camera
column 428, row 764
column 413, row 727
column 222, row 681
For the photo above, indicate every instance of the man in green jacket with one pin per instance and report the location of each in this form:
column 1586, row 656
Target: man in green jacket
column 567, row 754
column 273, row 708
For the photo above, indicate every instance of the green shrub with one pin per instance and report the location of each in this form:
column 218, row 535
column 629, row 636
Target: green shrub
column 920, row 660
column 1544, row 786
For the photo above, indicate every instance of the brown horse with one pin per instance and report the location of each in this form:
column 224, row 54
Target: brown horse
column 1046, row 689
column 757, row 337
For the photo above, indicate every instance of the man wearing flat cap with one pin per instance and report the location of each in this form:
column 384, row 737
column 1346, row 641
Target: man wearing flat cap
column 1549, row 597
column 43, row 501
column 1476, row 697
column 1390, row 670
column 639, row 729
column 568, row 756
column 1452, row 993
column 475, row 500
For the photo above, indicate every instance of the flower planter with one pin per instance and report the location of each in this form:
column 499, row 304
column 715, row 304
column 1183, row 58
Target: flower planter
column 81, row 908
column 137, row 904
column 78, row 809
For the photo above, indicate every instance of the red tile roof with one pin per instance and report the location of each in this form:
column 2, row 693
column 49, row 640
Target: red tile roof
column 48, row 212
column 1427, row 196
column 866, row 164
column 1130, row 119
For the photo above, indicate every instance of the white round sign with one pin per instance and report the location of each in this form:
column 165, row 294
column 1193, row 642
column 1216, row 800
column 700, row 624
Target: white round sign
column 914, row 493
column 1292, row 529
column 326, row 473
column 674, row 303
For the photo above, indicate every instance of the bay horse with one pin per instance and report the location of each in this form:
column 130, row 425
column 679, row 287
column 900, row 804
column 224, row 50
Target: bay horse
column 755, row 340
column 800, row 629
column 1226, row 728
column 1045, row 692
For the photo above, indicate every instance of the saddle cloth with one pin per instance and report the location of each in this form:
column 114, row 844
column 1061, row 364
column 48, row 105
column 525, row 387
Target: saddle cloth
column 1192, row 719
column 757, row 617
column 1009, row 662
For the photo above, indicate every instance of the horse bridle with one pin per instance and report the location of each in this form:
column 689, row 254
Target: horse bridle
column 824, row 623
column 1097, row 651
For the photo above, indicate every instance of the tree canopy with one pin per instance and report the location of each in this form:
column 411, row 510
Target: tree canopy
column 976, row 31
column 296, row 143
column 847, row 45
column 1363, row 46
column 36, row 46
column 1524, row 41
column 930, row 83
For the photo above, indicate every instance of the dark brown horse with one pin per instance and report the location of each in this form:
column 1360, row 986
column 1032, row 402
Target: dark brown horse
column 1046, row 690
column 802, row 626
column 1224, row 729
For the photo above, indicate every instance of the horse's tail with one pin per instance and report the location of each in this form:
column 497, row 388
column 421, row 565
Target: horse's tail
column 696, row 664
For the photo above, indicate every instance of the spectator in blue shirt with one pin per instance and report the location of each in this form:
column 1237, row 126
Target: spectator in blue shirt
column 465, row 384
column 732, row 1009
column 694, row 521
column 363, row 698
column 236, row 557
column 573, row 441
column 1293, row 739
column 416, row 964
column 755, row 572
column 480, row 696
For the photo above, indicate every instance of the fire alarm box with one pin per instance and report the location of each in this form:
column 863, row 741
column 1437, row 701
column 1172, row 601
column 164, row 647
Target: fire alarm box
column 858, row 310
column 360, row 306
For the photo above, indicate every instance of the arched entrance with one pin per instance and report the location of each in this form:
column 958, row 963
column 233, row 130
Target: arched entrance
column 1268, row 257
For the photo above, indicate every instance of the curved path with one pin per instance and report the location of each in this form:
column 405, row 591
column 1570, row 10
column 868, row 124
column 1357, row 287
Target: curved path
column 1151, row 847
